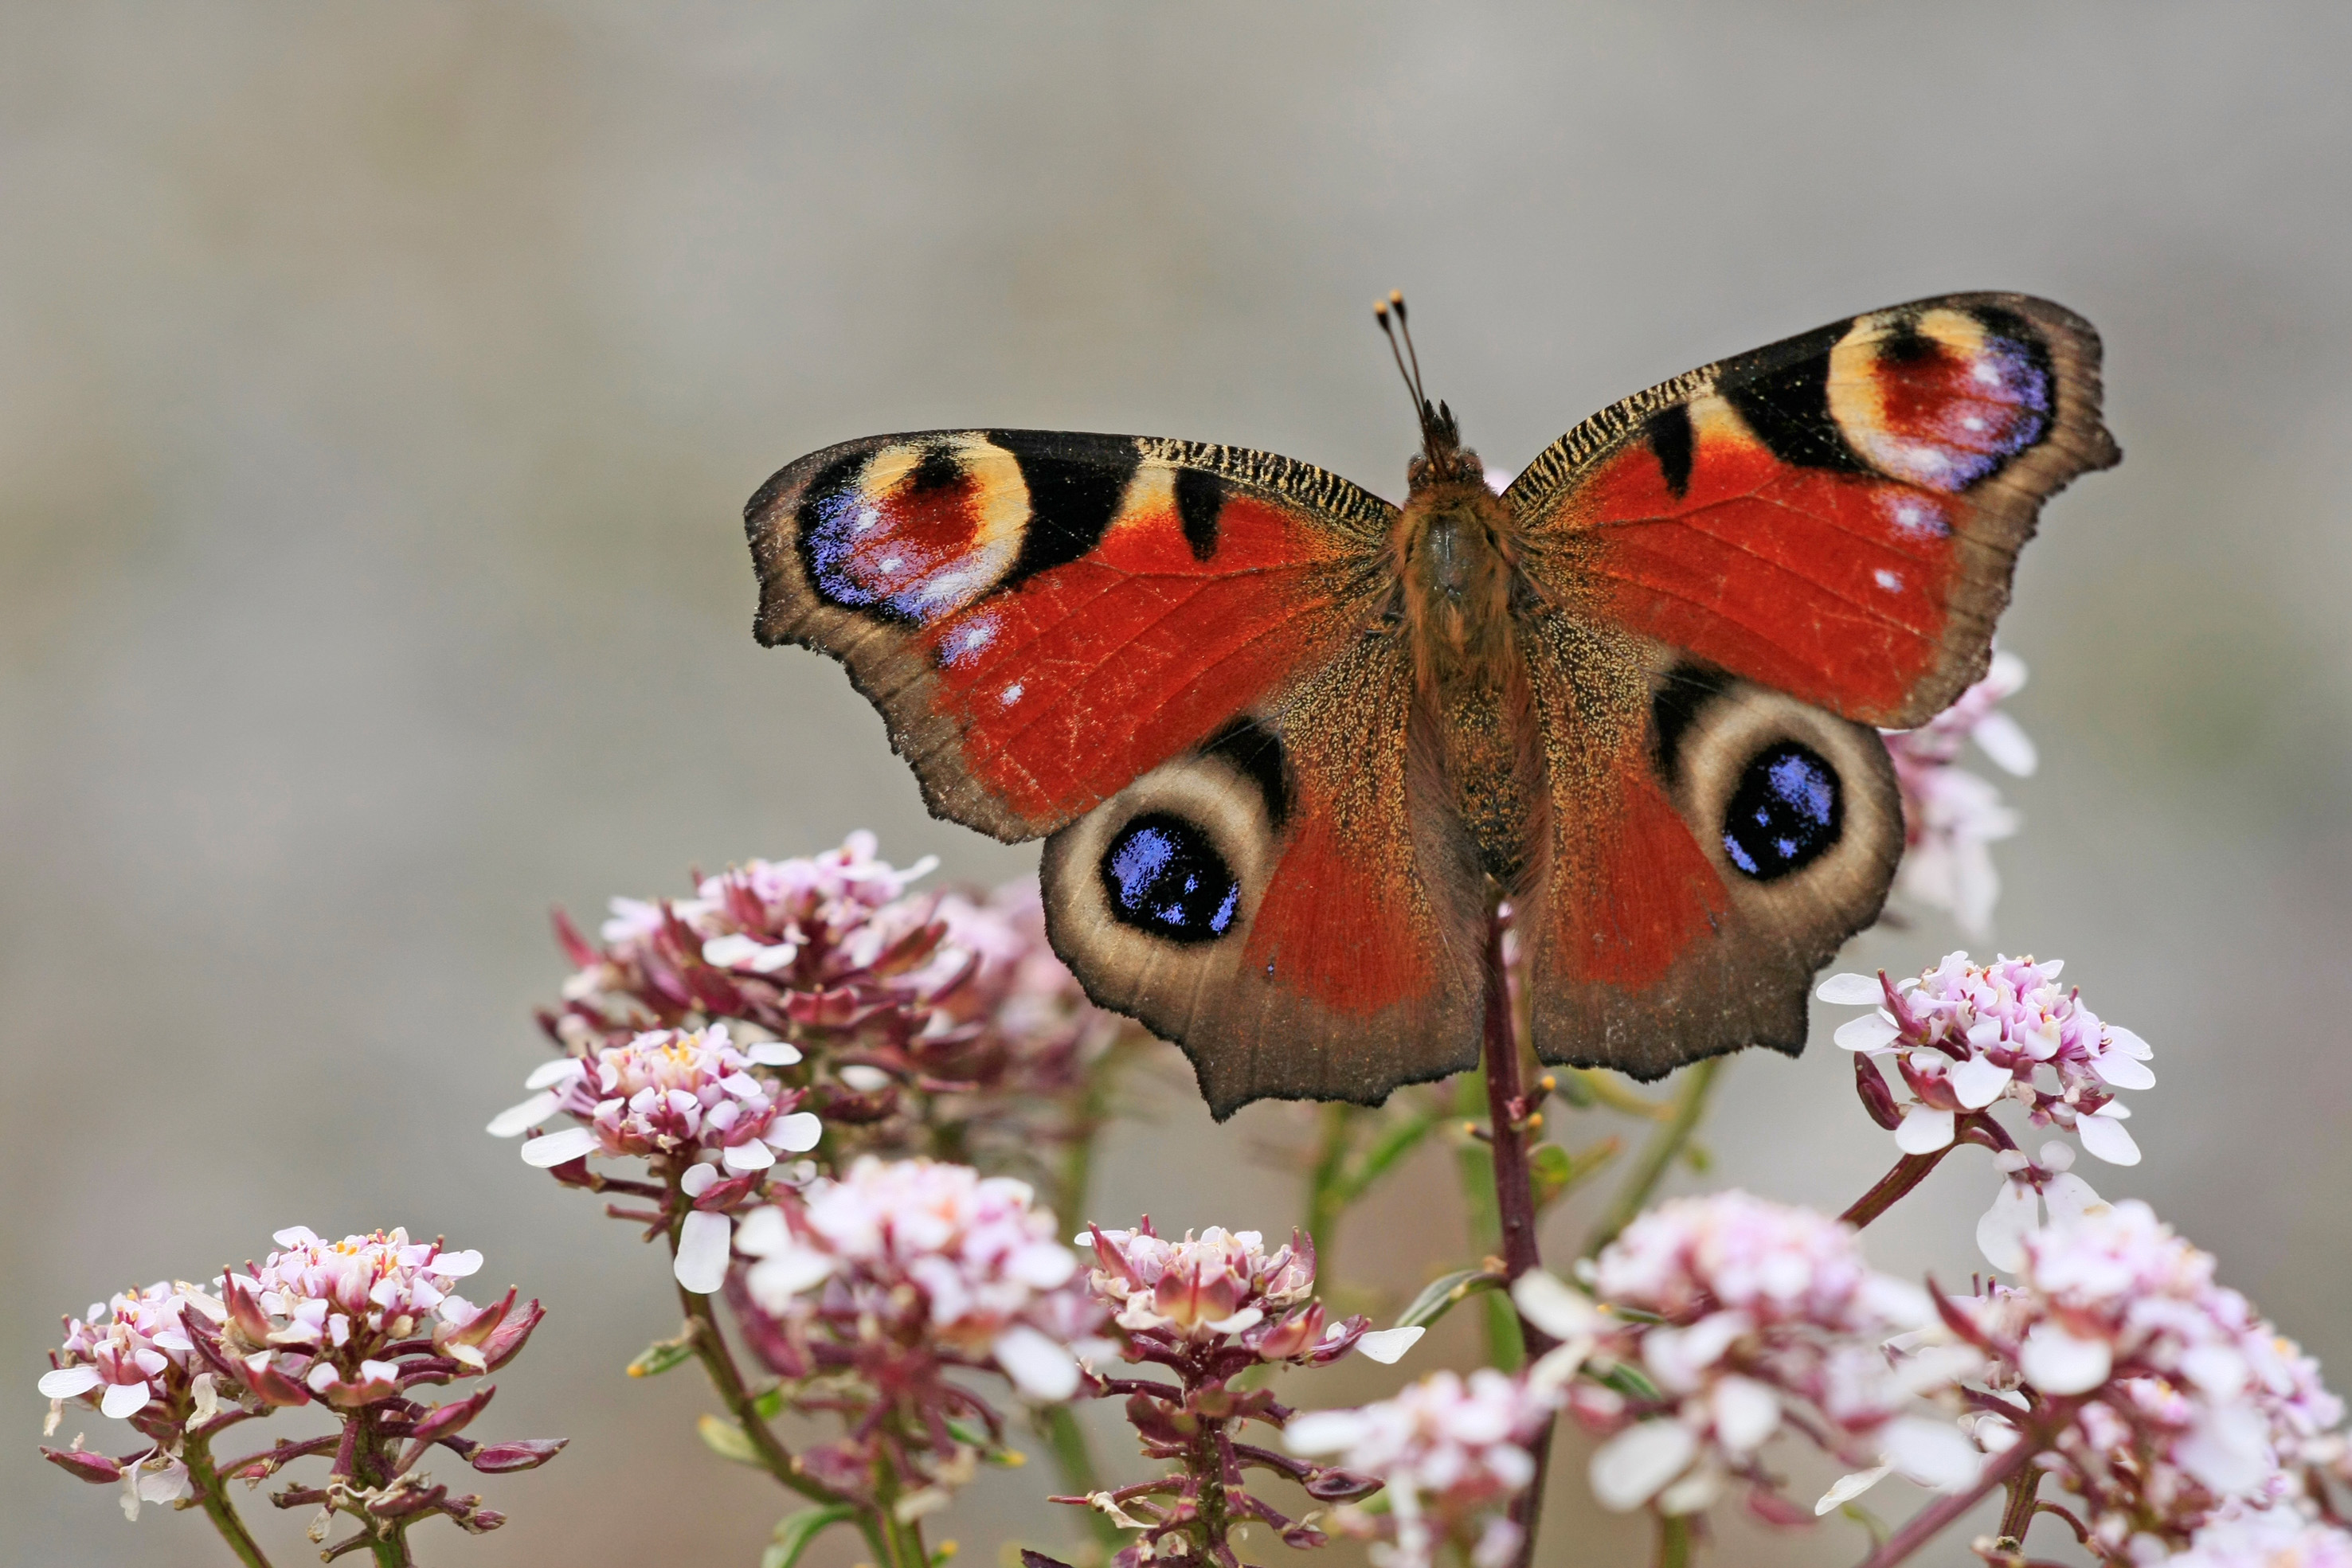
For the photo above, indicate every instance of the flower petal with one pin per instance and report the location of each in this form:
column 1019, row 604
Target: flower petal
column 698, row 1179
column 517, row 1120
column 67, row 1382
column 548, row 1074
column 747, row 1158
column 1932, row 1453
column 1558, row 1308
column 777, row 1279
column 2107, row 1138
column 703, row 1243
column 1387, row 1346
column 1924, row 1130
column 2003, row 1228
column 559, row 1147
column 2124, row 1071
column 1039, row 1368
column 1633, row 1466
column 1852, row 990
column 2071, row 1199
column 2057, row 1361
column 1868, row 1032
column 2012, row 751
column 773, row 1053
column 1977, row 1083
column 1323, row 1431
column 796, row 1133
column 1746, row 1413
column 1850, row 1486
column 123, row 1399
column 764, row 1231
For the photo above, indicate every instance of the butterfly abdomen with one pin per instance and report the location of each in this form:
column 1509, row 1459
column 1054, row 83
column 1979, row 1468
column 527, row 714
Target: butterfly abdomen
column 1475, row 714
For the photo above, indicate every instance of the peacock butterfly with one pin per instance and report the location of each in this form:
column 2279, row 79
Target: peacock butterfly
column 1288, row 742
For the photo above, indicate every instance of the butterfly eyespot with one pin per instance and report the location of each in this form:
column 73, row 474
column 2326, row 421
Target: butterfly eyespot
column 1786, row 812
column 1162, row 875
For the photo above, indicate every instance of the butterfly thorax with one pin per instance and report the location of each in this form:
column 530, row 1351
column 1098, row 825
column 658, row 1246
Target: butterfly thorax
column 1456, row 557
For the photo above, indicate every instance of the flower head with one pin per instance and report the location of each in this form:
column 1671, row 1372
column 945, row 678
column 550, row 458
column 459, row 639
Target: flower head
column 2176, row 1397
column 902, row 1271
column 1965, row 1037
column 132, row 1352
column 1451, row 1454
column 1225, row 1289
column 916, row 1012
column 1749, row 1317
column 679, row 1096
column 357, row 1324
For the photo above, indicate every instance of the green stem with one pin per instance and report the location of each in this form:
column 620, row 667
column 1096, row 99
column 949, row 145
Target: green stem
column 1673, row 1540
column 214, row 1499
column 1658, row 1154
column 718, row 1363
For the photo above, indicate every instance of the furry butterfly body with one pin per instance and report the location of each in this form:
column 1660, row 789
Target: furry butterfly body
column 1287, row 743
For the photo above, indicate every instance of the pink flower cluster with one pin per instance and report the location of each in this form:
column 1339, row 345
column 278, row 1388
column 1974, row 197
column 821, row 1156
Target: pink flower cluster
column 1739, row 1318
column 1951, row 818
column 679, row 1096
column 358, row 1325
column 921, row 1014
column 1450, row 1454
column 687, row 1100
column 1965, row 1039
column 357, row 1321
column 899, row 1273
column 2174, row 1398
column 1224, row 1292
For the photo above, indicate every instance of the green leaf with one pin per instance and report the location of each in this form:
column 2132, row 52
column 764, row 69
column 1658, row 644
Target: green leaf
column 796, row 1530
column 1628, row 1381
column 1697, row 1155
column 662, row 1355
column 1437, row 1297
column 768, row 1403
column 726, row 1439
column 1549, row 1173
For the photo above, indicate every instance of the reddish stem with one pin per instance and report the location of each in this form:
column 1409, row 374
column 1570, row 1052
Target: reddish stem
column 1514, row 1200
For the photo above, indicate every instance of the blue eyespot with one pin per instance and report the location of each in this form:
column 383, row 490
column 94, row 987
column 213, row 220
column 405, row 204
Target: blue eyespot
column 1785, row 813
column 1164, row 876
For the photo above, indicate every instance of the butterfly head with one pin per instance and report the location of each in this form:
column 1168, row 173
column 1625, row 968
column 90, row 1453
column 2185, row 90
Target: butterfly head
column 1442, row 459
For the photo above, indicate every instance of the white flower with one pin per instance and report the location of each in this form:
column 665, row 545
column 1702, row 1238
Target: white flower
column 678, row 1095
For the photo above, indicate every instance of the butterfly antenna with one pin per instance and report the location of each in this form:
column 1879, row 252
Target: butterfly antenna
column 1380, row 313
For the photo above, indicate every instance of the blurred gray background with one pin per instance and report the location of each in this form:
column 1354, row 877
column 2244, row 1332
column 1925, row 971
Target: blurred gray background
column 380, row 386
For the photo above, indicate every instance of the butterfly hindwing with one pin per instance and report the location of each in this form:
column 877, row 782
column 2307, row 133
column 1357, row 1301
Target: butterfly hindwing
column 1836, row 515
column 1044, row 617
column 1713, row 842
column 1290, row 901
